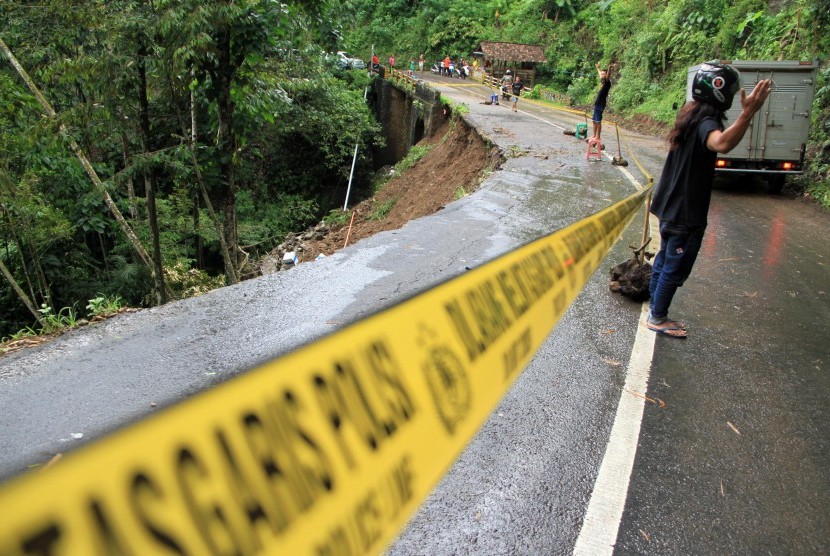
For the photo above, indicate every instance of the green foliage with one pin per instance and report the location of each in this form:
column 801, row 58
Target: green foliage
column 185, row 281
column 817, row 182
column 337, row 217
column 27, row 332
column 52, row 322
column 104, row 305
column 262, row 226
column 652, row 43
column 582, row 89
column 274, row 117
column 415, row 154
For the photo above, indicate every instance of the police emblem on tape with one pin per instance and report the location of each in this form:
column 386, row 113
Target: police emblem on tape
column 449, row 386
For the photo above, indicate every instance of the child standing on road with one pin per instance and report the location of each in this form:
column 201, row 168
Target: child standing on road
column 681, row 198
column 601, row 100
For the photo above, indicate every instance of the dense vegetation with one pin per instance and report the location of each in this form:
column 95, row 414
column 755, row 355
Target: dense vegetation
column 212, row 128
column 652, row 42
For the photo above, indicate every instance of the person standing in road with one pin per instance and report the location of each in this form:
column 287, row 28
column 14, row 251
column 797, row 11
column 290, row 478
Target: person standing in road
column 375, row 62
column 421, row 63
column 518, row 85
column 601, row 100
column 506, row 84
column 447, row 62
column 681, row 198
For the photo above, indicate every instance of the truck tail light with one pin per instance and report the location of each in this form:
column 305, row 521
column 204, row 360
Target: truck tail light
column 787, row 165
column 720, row 163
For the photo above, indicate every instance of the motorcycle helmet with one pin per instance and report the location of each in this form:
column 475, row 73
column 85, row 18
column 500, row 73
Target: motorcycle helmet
column 507, row 72
column 716, row 83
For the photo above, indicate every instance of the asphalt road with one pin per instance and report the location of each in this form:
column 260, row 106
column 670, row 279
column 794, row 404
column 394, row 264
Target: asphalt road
column 734, row 461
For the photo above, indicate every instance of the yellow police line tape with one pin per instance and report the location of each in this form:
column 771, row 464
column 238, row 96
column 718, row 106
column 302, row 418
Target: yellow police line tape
column 329, row 449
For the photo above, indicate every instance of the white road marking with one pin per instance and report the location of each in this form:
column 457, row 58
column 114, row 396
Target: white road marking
column 602, row 519
column 605, row 508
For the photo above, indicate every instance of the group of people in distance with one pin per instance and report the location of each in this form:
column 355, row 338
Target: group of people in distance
column 449, row 68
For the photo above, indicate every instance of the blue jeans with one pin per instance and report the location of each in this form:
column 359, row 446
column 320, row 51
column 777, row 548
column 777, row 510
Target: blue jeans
column 672, row 265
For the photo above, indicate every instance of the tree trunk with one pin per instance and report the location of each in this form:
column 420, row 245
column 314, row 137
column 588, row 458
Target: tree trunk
column 25, row 266
column 14, row 227
column 149, row 177
column 197, row 237
column 226, row 140
column 96, row 181
column 43, row 285
column 21, row 294
column 125, row 152
column 230, row 269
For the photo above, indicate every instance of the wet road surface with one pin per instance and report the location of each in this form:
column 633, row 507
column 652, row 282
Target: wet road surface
column 738, row 462
column 735, row 458
column 756, row 362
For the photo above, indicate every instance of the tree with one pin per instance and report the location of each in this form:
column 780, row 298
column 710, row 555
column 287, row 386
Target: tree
column 96, row 181
column 222, row 42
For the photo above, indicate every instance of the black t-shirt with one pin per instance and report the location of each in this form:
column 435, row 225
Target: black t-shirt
column 602, row 95
column 682, row 196
column 517, row 87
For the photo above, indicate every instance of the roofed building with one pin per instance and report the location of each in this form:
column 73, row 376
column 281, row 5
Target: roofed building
column 498, row 57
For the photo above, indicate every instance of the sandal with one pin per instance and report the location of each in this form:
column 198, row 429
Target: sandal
column 669, row 328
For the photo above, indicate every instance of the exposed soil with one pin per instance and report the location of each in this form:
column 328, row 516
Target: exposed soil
column 455, row 166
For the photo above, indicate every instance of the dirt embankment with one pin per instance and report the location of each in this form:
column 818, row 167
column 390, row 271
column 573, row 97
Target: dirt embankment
column 455, row 166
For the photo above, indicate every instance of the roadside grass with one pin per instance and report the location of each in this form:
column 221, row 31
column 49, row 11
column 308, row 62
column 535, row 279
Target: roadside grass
column 381, row 211
column 415, row 154
column 52, row 322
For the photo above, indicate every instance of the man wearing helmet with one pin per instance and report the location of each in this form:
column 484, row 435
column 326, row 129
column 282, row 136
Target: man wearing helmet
column 681, row 198
column 506, row 84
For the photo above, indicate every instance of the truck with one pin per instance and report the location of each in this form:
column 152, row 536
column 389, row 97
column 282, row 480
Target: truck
column 776, row 141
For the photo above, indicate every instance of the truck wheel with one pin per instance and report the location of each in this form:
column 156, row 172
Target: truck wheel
column 775, row 184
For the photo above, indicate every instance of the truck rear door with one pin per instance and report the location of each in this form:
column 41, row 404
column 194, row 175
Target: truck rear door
column 779, row 130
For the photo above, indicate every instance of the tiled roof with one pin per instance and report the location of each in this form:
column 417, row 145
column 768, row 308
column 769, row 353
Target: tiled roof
column 512, row 52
